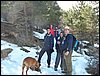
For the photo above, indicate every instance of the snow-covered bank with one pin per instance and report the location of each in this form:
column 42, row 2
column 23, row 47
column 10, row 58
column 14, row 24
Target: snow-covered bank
column 96, row 45
column 12, row 65
column 39, row 35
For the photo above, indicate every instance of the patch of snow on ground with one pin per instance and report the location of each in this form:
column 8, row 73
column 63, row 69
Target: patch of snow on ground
column 12, row 65
column 96, row 45
column 39, row 35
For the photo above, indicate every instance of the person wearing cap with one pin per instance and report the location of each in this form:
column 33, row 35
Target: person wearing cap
column 67, row 63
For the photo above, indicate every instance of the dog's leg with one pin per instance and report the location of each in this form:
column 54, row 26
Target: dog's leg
column 23, row 66
column 27, row 70
column 40, row 71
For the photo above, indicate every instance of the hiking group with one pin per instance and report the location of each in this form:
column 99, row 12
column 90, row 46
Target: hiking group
column 65, row 43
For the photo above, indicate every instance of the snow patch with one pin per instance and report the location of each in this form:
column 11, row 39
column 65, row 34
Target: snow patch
column 39, row 35
column 96, row 45
column 12, row 65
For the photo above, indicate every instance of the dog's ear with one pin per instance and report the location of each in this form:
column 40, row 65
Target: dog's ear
column 39, row 64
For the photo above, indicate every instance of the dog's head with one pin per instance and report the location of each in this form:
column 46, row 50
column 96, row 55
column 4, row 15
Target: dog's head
column 36, row 67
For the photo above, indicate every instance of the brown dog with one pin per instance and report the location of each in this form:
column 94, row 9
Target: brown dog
column 31, row 63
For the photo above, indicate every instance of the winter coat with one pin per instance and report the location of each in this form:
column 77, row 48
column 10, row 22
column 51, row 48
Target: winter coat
column 57, row 33
column 58, row 46
column 48, row 43
column 68, row 43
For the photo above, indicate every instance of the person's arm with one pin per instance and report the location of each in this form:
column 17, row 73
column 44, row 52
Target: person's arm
column 52, row 41
column 45, row 36
column 50, row 27
column 58, row 40
column 70, row 43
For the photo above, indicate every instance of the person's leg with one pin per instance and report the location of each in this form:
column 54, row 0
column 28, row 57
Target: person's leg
column 57, row 61
column 49, row 58
column 69, row 64
column 64, row 66
column 69, row 67
column 40, row 55
column 62, row 60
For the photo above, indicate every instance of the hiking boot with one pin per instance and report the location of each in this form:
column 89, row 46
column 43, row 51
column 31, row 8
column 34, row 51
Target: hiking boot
column 48, row 66
column 55, row 69
column 69, row 73
column 62, row 69
column 64, row 72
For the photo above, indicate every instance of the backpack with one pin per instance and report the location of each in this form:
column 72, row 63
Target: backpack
column 75, row 44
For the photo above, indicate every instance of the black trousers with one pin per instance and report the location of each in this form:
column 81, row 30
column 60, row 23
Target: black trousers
column 58, row 57
column 48, row 54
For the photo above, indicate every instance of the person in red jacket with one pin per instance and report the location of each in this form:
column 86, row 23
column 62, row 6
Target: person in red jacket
column 52, row 30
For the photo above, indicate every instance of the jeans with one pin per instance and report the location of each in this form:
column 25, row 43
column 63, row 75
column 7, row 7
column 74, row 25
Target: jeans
column 68, row 63
column 48, row 54
column 58, row 57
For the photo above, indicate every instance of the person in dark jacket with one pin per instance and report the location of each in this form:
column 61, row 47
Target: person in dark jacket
column 48, row 47
column 59, row 43
column 68, row 47
column 57, row 32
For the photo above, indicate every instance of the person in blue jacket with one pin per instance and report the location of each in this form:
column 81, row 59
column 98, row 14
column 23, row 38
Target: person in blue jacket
column 47, row 47
column 67, row 51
